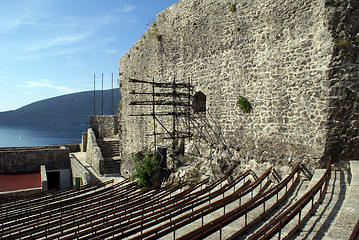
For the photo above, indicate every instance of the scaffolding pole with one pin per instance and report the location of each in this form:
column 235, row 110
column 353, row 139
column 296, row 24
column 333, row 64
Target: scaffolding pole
column 94, row 94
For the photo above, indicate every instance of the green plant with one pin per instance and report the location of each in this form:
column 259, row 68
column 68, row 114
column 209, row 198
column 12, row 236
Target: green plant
column 119, row 106
column 238, row 29
column 144, row 170
column 132, row 91
column 232, row 7
column 154, row 33
column 342, row 41
column 244, row 105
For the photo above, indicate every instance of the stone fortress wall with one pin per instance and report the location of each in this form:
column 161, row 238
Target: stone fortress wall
column 290, row 59
column 27, row 159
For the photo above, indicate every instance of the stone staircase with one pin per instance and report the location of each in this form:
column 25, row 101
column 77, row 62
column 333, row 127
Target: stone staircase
column 110, row 149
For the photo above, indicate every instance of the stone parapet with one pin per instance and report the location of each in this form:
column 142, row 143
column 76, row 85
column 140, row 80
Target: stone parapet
column 83, row 145
column 93, row 153
column 25, row 159
column 82, row 170
column 104, row 125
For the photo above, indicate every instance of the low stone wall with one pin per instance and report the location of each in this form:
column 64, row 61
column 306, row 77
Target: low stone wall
column 104, row 126
column 75, row 147
column 83, row 145
column 80, row 171
column 25, row 159
column 93, row 153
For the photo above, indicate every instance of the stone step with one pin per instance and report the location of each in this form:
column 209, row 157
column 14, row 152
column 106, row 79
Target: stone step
column 298, row 189
column 216, row 214
column 322, row 218
column 109, row 148
column 347, row 204
column 112, row 165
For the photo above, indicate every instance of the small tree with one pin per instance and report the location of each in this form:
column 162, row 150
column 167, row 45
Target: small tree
column 144, row 170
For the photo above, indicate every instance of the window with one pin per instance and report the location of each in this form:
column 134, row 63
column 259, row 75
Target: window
column 199, row 102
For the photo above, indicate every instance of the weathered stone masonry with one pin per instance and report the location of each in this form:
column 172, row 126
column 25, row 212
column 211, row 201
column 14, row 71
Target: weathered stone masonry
column 26, row 159
column 288, row 58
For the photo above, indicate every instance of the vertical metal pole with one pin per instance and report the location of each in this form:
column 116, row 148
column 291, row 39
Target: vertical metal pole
column 189, row 107
column 94, row 94
column 173, row 116
column 112, row 96
column 220, row 231
column 245, row 218
column 264, row 204
column 202, row 217
column 102, row 95
column 153, row 112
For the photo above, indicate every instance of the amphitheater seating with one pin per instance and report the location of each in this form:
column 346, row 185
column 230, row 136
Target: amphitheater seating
column 225, row 209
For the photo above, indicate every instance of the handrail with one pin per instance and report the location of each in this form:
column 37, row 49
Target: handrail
column 183, row 220
column 240, row 211
column 11, row 202
column 66, row 203
column 275, row 226
column 66, row 217
column 153, row 217
column 39, row 219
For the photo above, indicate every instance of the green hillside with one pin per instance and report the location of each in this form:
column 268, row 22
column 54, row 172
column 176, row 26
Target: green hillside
column 66, row 109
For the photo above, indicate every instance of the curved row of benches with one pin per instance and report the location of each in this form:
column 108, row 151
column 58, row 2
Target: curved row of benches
column 124, row 211
column 14, row 205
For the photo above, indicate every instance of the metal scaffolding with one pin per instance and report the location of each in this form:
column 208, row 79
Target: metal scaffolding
column 178, row 99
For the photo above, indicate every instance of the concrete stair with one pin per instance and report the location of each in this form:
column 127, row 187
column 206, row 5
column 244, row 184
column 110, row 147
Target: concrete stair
column 110, row 149
column 112, row 165
column 336, row 216
column 346, row 205
column 297, row 192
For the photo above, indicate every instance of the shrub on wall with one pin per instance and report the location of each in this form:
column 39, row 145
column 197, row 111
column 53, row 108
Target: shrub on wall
column 244, row 105
column 232, row 7
column 154, row 33
column 144, row 170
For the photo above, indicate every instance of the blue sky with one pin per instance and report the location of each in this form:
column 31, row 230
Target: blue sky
column 54, row 47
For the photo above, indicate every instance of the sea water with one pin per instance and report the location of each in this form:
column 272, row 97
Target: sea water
column 21, row 136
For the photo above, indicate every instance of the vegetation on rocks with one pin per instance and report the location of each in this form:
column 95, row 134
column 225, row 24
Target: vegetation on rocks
column 144, row 170
column 154, row 33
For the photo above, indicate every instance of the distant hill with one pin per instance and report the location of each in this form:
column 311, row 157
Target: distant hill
column 66, row 109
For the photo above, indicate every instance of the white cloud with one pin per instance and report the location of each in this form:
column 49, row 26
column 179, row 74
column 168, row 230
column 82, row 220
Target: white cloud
column 127, row 8
column 29, row 12
column 110, row 51
column 58, row 41
column 45, row 84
